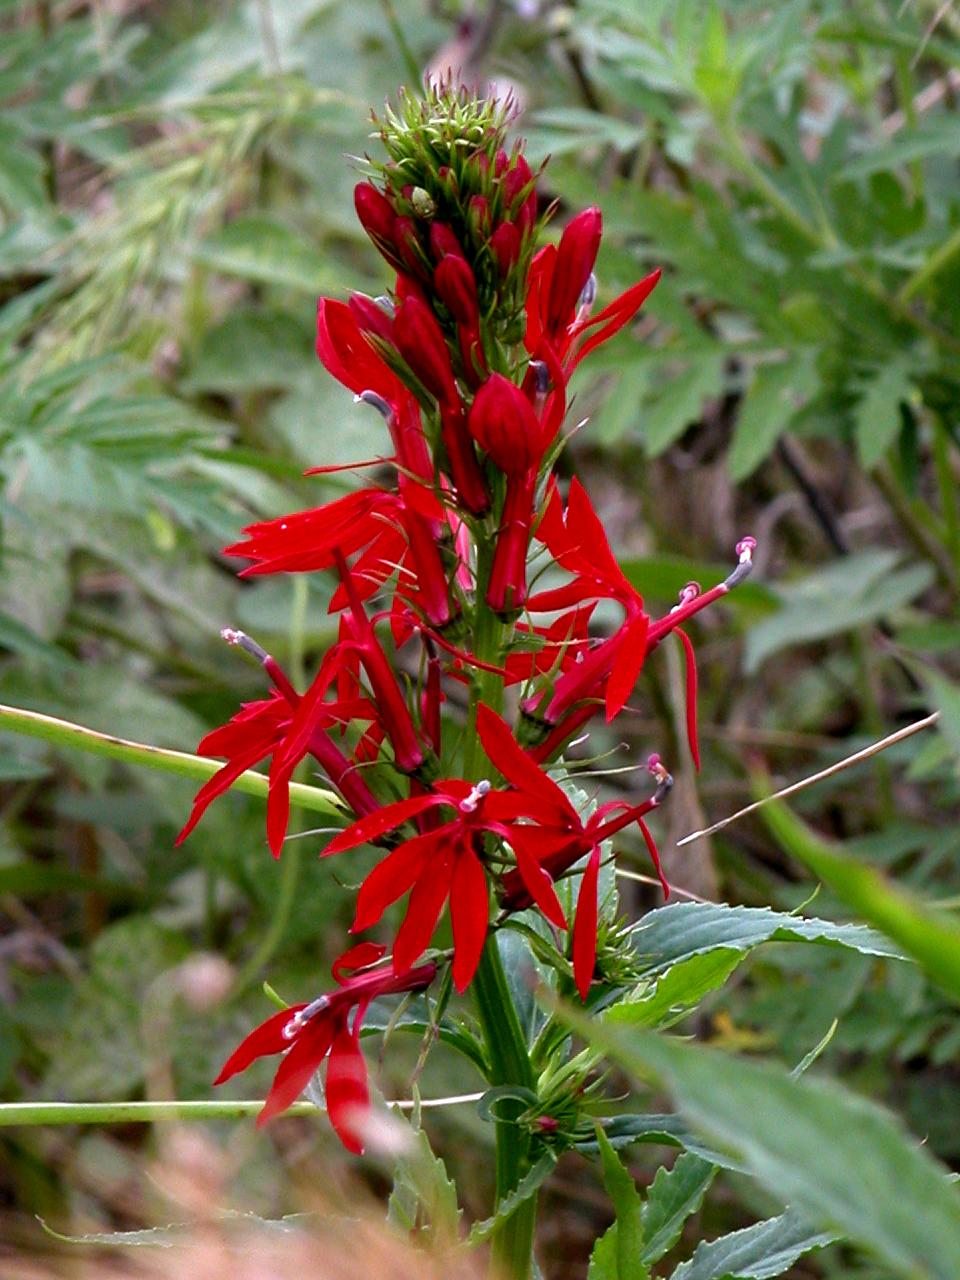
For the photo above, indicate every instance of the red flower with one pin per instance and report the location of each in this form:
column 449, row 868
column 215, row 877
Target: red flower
column 308, row 1033
column 515, row 437
column 443, row 862
column 560, row 838
column 286, row 727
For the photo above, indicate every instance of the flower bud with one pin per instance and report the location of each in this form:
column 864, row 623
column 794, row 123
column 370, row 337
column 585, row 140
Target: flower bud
column 407, row 244
column 371, row 318
column 575, row 258
column 443, row 242
column 505, row 244
column 503, row 423
column 420, row 341
column 517, row 180
column 478, row 217
column 375, row 213
column 455, row 283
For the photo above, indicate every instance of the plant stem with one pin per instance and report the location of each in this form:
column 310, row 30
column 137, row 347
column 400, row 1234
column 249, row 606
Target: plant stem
column 506, row 1046
column 512, row 1249
column 63, row 733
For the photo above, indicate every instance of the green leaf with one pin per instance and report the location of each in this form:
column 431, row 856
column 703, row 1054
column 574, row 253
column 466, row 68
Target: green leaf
column 674, row 933
column 777, row 393
column 658, row 1130
column 528, row 1185
column 850, row 593
column 947, row 697
column 674, row 1194
column 680, row 989
column 627, row 1231
column 842, row 1161
column 179, row 1233
column 941, row 137
column 876, row 415
column 680, row 403
column 423, row 1194
column 932, row 940
column 251, row 349
column 759, row 1252
column 255, row 247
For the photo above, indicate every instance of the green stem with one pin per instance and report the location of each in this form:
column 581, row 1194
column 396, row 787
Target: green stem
column 506, row 1046
column 63, row 733
column 512, row 1241
column 32, row 1114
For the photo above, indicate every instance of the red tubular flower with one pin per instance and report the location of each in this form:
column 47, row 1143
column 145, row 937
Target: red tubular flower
column 506, row 426
column 576, row 255
column 306, row 1034
column 376, row 217
column 454, row 282
column 442, row 862
column 560, row 838
column 420, row 341
column 285, row 727
column 393, row 713
column 505, row 246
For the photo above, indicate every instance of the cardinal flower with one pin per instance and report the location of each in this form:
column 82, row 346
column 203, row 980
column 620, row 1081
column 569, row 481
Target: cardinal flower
column 561, row 293
column 515, row 437
column 559, row 837
column 446, row 861
column 306, row 1034
column 286, row 727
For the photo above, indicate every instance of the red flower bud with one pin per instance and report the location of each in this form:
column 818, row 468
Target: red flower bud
column 371, row 318
column 375, row 213
column 420, row 341
column 575, row 258
column 407, row 244
column 454, row 282
column 503, row 422
column 443, row 242
column 517, row 180
column 478, row 216
column 505, row 243
column 501, row 163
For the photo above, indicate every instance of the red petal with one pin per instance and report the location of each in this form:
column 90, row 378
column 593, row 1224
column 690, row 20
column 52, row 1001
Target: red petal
column 469, row 915
column 627, row 665
column 265, row 1039
column 617, row 314
column 294, row 1073
column 358, row 957
column 585, row 926
column 391, row 878
column 517, row 767
column 423, row 911
column 383, row 820
column 348, row 1097
column 537, row 881
column 654, row 855
column 215, row 786
column 690, row 672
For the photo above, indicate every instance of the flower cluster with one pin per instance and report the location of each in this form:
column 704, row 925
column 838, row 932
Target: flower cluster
column 468, row 360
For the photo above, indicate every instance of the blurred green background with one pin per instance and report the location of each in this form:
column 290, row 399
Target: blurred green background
column 175, row 190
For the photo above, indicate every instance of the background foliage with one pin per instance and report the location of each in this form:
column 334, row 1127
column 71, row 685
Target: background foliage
column 173, row 196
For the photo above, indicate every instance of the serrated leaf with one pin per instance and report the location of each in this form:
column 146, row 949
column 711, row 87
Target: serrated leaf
column 681, row 401
column 828, row 602
column 680, row 989
column 626, row 1234
column 759, row 1252
column 775, row 396
column 837, row 1158
column 932, row 939
column 673, row 1196
column 674, row 933
column 940, row 137
column 876, row 415
column 528, row 1185
column 423, row 1193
